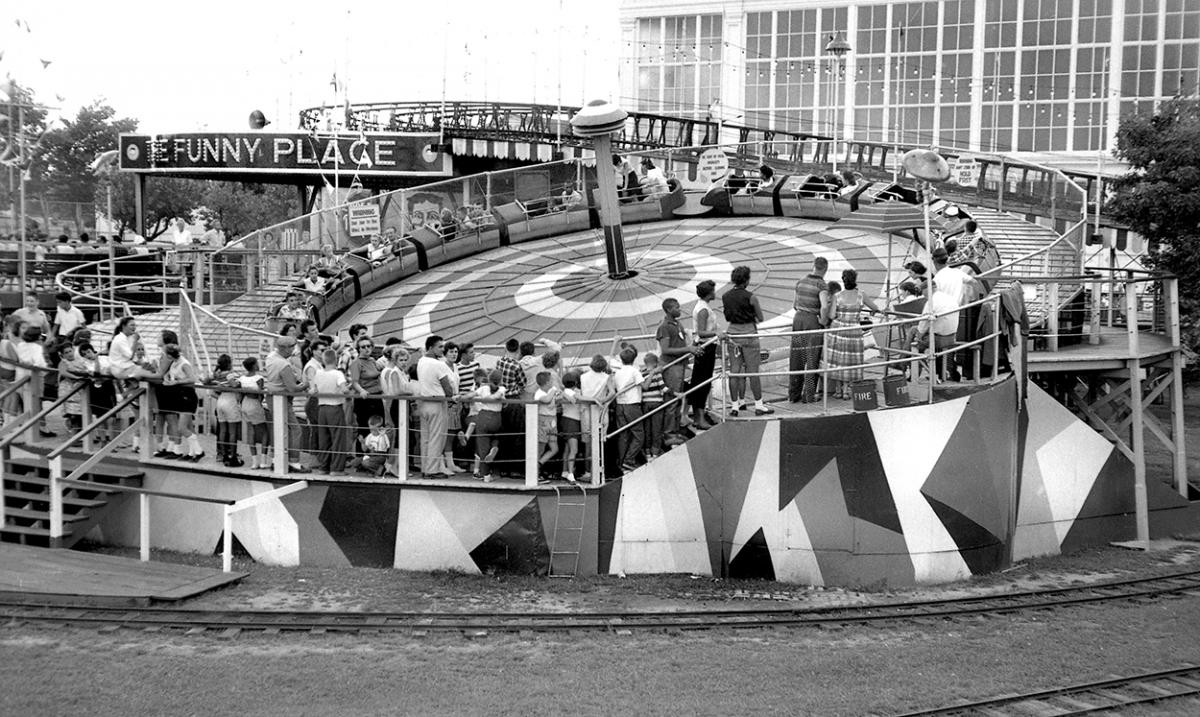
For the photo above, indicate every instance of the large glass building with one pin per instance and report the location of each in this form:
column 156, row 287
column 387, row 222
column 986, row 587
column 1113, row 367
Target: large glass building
column 982, row 75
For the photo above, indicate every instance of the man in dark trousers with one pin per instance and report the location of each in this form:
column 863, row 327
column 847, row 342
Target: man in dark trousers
column 806, row 348
column 512, row 415
column 676, row 352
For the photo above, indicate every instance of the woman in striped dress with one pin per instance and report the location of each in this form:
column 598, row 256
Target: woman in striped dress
column 845, row 346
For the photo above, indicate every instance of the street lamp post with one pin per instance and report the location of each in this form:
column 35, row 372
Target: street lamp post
column 838, row 47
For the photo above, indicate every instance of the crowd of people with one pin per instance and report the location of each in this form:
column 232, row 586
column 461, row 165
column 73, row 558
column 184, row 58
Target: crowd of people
column 342, row 410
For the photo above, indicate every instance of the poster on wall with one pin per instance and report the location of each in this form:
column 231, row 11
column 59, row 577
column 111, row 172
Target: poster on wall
column 364, row 220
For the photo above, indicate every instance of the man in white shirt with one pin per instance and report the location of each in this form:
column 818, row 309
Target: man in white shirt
column 945, row 326
column 31, row 352
column 960, row 286
column 433, row 379
column 955, row 282
column 180, row 235
column 68, row 317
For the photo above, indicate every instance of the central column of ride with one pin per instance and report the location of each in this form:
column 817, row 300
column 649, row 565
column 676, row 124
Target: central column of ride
column 599, row 121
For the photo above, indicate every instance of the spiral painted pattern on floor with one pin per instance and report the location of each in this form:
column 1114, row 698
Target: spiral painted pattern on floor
column 557, row 287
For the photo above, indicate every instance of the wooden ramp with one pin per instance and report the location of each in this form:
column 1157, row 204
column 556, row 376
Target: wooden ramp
column 74, row 576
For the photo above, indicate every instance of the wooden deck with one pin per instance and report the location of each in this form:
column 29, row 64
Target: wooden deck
column 75, row 576
column 1109, row 354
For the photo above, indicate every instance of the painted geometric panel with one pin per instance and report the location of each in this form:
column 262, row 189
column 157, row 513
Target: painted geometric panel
column 517, row 547
column 609, row 508
column 362, row 521
column 910, row 442
column 316, row 546
column 437, row 530
column 753, row 560
column 808, row 444
column 660, row 525
column 425, row 539
column 974, row 475
column 721, row 466
column 980, row 548
column 782, row 531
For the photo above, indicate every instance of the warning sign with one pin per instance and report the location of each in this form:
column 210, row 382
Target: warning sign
column 364, row 220
column 714, row 165
column 966, row 171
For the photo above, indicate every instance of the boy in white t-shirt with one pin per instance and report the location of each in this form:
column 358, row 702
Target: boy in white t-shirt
column 546, row 397
column 480, row 378
column 570, row 424
column 627, row 380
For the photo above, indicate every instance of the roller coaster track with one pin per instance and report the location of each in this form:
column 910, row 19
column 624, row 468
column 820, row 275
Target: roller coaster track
column 17, row 608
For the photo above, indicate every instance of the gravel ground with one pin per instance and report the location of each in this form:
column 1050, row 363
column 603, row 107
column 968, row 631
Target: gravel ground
column 792, row 671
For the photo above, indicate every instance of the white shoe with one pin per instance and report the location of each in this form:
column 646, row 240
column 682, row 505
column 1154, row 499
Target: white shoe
column 570, row 478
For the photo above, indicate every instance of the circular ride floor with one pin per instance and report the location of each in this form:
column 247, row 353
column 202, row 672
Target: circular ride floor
column 557, row 288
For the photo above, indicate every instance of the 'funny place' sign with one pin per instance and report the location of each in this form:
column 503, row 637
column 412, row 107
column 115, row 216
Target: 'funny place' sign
column 369, row 154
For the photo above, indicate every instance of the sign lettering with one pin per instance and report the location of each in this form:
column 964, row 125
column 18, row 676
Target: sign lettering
column 714, row 164
column 966, row 171
column 364, row 219
column 372, row 153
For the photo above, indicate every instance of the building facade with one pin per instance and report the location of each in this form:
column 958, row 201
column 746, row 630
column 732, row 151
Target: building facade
column 981, row 75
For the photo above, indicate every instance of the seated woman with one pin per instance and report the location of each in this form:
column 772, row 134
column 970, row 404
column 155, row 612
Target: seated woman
column 654, row 182
column 329, row 264
column 313, row 282
column 765, row 183
column 377, row 251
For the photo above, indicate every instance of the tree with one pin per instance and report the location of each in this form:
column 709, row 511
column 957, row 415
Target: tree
column 1160, row 197
column 238, row 208
column 62, row 166
column 22, row 122
column 166, row 198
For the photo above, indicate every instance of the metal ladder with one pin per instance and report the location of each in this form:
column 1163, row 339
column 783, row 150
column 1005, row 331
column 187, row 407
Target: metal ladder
column 573, row 555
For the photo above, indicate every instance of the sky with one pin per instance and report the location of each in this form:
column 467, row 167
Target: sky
column 208, row 66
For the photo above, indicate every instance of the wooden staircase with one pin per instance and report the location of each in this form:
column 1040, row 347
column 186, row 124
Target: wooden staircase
column 27, row 500
column 1014, row 238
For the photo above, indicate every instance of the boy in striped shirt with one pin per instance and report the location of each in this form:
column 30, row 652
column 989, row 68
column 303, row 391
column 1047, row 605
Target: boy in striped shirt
column 654, row 391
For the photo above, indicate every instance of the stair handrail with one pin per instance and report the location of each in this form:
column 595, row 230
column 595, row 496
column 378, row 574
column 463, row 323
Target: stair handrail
column 143, row 494
column 87, row 430
column 31, row 421
column 237, row 506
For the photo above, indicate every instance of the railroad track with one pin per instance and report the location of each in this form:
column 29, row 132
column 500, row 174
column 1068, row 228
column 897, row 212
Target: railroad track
column 1090, row 698
column 229, row 623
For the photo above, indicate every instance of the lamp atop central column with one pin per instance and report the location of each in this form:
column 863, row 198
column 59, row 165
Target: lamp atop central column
column 838, row 47
column 599, row 121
